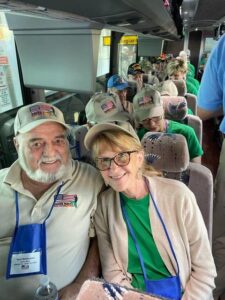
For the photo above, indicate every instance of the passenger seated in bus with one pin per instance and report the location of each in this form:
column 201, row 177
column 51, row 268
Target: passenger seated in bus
column 105, row 107
column 46, row 190
column 116, row 85
column 135, row 73
column 149, row 115
column 151, row 233
column 176, row 70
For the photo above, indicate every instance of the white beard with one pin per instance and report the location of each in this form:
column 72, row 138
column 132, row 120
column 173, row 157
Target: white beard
column 40, row 175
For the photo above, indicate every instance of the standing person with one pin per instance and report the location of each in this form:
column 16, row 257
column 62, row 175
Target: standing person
column 211, row 103
column 149, row 115
column 150, row 231
column 116, row 85
column 46, row 209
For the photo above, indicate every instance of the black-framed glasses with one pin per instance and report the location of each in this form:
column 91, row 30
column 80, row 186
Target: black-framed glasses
column 153, row 119
column 121, row 159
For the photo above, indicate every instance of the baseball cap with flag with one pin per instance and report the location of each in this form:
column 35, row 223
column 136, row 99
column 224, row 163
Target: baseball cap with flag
column 134, row 69
column 97, row 129
column 30, row 116
column 147, row 104
column 117, row 82
column 104, row 107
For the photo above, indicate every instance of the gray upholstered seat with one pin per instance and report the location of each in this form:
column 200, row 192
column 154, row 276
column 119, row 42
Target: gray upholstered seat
column 78, row 149
column 168, row 153
column 175, row 107
column 182, row 91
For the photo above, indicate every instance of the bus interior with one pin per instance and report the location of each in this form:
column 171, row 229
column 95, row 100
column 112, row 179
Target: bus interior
column 63, row 52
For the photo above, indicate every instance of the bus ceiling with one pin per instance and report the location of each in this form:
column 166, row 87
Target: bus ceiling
column 159, row 18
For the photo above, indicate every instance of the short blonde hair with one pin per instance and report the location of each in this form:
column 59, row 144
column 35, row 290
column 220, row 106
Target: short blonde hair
column 120, row 141
column 175, row 66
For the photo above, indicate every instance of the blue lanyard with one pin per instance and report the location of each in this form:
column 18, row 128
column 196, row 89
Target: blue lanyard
column 135, row 239
column 17, row 205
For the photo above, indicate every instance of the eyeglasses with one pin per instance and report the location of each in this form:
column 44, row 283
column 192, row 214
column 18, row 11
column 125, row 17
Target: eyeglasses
column 121, row 159
column 154, row 119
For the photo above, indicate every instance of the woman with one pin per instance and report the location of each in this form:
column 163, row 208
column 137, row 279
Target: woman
column 177, row 69
column 150, row 231
column 149, row 116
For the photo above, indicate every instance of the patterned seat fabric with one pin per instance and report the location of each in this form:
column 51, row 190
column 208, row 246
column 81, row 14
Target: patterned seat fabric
column 169, row 154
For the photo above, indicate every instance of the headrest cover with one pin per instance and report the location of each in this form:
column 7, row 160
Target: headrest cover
column 166, row 152
column 175, row 108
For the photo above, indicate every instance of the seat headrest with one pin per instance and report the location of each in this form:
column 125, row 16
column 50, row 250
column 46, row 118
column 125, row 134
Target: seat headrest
column 166, row 152
column 181, row 87
column 175, row 107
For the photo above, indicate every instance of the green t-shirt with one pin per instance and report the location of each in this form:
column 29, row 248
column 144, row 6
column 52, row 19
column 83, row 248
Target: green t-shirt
column 138, row 214
column 188, row 132
column 191, row 88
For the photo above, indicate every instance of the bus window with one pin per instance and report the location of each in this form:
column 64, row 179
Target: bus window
column 10, row 90
column 127, row 53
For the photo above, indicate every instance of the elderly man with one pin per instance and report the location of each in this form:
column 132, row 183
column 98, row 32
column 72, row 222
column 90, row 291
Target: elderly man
column 46, row 209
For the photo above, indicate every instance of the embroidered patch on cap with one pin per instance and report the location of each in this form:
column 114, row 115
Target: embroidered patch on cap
column 108, row 106
column 64, row 200
column 145, row 100
column 44, row 111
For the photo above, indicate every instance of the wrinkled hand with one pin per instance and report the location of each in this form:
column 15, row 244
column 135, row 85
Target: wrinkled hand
column 70, row 292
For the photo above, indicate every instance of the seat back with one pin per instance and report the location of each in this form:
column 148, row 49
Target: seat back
column 181, row 87
column 196, row 123
column 168, row 153
column 192, row 102
column 175, row 107
column 78, row 150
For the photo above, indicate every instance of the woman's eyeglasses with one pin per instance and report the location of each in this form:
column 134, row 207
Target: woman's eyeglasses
column 121, row 159
column 154, row 119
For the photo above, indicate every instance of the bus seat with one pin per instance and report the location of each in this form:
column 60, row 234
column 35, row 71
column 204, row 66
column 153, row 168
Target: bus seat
column 181, row 87
column 196, row 123
column 98, row 289
column 168, row 153
column 192, row 102
column 78, row 150
column 182, row 91
column 175, row 107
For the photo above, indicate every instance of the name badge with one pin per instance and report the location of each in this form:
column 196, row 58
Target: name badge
column 25, row 263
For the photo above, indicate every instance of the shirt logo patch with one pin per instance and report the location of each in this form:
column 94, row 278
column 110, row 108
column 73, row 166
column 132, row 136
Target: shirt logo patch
column 108, row 106
column 64, row 200
column 43, row 110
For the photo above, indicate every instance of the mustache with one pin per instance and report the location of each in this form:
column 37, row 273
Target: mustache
column 47, row 159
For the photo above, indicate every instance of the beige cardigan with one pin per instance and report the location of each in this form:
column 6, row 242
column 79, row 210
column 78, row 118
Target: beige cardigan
column 184, row 223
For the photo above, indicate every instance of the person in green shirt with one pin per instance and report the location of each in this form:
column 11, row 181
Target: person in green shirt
column 149, row 115
column 151, row 234
column 177, row 69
